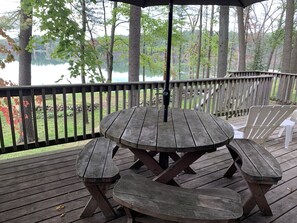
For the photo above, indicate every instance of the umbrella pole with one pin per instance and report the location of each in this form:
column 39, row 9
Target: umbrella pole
column 163, row 158
column 166, row 92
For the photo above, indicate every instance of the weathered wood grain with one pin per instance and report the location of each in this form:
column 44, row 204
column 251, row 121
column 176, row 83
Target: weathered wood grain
column 97, row 170
column 116, row 129
column 183, row 135
column 185, row 131
column 200, row 136
column 131, row 133
column 258, row 165
column 175, row 203
column 166, row 134
column 148, row 136
column 259, row 169
column 46, row 188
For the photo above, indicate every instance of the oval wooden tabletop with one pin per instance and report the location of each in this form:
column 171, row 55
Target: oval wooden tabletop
column 185, row 131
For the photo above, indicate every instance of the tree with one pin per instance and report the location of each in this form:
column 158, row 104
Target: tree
column 287, row 48
column 199, row 43
column 152, row 37
column 223, row 41
column 276, row 37
column 259, row 24
column 293, row 66
column 8, row 52
column 25, row 66
column 134, row 49
column 241, row 40
column 59, row 21
column 210, row 38
column 110, row 45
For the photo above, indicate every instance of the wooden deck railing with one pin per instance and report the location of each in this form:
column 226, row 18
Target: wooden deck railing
column 284, row 86
column 38, row 116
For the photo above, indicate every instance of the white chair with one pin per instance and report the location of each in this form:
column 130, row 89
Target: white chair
column 262, row 121
column 288, row 125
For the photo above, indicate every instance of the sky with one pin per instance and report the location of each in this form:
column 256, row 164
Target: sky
column 11, row 5
column 8, row 5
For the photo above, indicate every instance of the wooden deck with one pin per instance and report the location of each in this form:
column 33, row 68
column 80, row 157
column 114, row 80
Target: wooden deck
column 45, row 188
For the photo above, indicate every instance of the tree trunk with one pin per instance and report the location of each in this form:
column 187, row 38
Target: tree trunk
column 241, row 41
column 293, row 66
column 134, row 50
column 258, row 55
column 110, row 45
column 210, row 43
column 275, row 39
column 82, row 49
column 25, row 68
column 287, row 49
column 199, row 43
column 223, row 41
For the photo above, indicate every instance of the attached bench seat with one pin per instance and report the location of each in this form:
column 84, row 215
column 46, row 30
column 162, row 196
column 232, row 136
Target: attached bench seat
column 259, row 169
column 170, row 203
column 95, row 167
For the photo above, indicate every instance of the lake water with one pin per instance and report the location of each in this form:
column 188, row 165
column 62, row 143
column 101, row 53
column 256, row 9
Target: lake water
column 50, row 73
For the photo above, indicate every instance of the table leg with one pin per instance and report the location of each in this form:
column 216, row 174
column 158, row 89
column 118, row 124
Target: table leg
column 147, row 160
column 176, row 157
column 178, row 166
column 257, row 197
column 98, row 194
column 151, row 164
column 137, row 164
column 163, row 160
column 232, row 168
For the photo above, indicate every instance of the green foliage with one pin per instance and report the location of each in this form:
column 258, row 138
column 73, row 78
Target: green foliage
column 258, row 57
column 58, row 22
column 7, row 51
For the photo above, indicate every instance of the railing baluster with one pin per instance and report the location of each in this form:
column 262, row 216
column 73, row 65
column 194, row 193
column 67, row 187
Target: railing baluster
column 151, row 95
column 74, row 113
column 55, row 116
column 144, row 95
column 195, row 96
column 124, row 96
column 44, row 108
column 210, row 94
column 3, row 150
column 92, row 112
column 157, row 96
column 11, row 120
column 117, row 98
column 23, row 128
column 295, row 91
column 229, row 96
column 214, row 98
column 138, row 95
column 84, row 111
column 108, row 98
column 185, row 95
column 65, row 115
column 34, row 118
column 101, row 102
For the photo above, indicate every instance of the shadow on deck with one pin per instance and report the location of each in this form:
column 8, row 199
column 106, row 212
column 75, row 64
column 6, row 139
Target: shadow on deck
column 45, row 188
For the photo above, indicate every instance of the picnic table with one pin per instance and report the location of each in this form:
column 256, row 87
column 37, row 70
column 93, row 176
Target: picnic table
column 144, row 132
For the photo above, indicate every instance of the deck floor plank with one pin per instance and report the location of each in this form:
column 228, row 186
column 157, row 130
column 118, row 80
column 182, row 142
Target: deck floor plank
column 46, row 189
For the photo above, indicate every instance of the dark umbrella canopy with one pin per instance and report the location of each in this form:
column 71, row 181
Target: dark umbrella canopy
column 146, row 3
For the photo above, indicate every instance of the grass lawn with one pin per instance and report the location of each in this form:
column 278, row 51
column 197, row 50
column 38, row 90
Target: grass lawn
column 38, row 151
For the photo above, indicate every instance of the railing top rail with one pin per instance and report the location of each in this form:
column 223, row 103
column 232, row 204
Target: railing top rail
column 104, row 87
column 264, row 72
column 127, row 83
